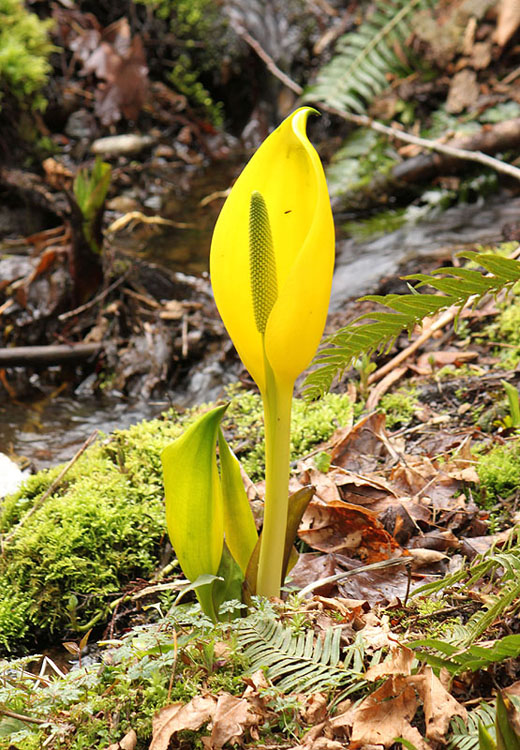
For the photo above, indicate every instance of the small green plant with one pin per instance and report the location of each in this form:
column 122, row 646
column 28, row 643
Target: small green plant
column 90, row 190
column 513, row 418
column 399, row 407
column 499, row 471
column 200, row 34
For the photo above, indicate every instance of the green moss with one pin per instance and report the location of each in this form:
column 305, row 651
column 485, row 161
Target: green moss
column 399, row 407
column 100, row 528
column 499, row 472
column 312, row 423
column 201, row 38
column 24, row 53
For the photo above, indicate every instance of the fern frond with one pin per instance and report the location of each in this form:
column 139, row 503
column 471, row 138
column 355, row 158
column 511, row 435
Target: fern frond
column 359, row 70
column 458, row 651
column 297, row 662
column 457, row 286
column 465, row 737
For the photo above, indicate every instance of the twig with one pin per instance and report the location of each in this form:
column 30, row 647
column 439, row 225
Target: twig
column 92, row 302
column 368, row 122
column 139, row 216
column 38, row 503
column 362, row 569
column 52, row 354
column 269, row 62
column 21, row 717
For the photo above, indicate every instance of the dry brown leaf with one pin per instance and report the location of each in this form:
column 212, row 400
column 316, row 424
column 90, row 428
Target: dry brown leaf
column 373, row 586
column 423, row 557
column 439, row 706
column 314, row 707
column 436, row 539
column 463, row 91
column 364, row 447
column 342, row 527
column 179, row 716
column 128, row 742
column 399, row 661
column 230, row 718
column 382, row 716
column 508, row 21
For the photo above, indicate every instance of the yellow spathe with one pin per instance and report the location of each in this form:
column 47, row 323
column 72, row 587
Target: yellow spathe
column 287, row 172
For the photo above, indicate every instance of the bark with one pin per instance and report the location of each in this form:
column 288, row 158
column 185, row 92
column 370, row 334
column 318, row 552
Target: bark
column 28, row 356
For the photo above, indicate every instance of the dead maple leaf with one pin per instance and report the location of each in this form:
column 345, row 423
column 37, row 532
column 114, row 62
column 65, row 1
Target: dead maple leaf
column 342, row 527
column 363, row 448
column 230, row 718
column 179, row 716
column 439, row 706
column 382, row 716
column 399, row 661
column 373, row 586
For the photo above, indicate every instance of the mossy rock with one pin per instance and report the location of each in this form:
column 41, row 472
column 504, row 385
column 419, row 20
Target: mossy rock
column 499, row 472
column 103, row 524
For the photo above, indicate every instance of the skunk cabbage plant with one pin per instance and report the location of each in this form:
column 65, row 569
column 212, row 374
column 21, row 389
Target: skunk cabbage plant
column 271, row 264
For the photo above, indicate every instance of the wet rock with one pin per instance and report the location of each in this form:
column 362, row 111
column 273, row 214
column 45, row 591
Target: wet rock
column 121, row 145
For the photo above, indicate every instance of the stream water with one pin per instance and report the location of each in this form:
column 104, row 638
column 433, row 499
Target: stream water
column 50, row 431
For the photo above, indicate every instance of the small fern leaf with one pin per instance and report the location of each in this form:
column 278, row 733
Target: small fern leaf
column 457, row 287
column 359, row 70
column 295, row 662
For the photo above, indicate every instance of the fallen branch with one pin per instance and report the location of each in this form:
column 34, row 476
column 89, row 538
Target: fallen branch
column 54, row 354
column 21, row 717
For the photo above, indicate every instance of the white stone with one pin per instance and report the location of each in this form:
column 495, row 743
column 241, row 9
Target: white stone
column 10, row 476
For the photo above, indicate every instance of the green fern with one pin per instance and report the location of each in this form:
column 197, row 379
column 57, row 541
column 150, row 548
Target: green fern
column 359, row 70
column 458, row 286
column 456, row 659
column 458, row 651
column 466, row 737
column 304, row 661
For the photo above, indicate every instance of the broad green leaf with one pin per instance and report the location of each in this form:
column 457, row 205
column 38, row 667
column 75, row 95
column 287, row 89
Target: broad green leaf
column 485, row 740
column 229, row 584
column 298, row 503
column 203, row 580
column 239, row 525
column 194, row 512
column 507, row 738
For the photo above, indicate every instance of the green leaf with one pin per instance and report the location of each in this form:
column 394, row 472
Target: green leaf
column 239, row 524
column 507, row 738
column 194, row 507
column 229, row 584
column 485, row 740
